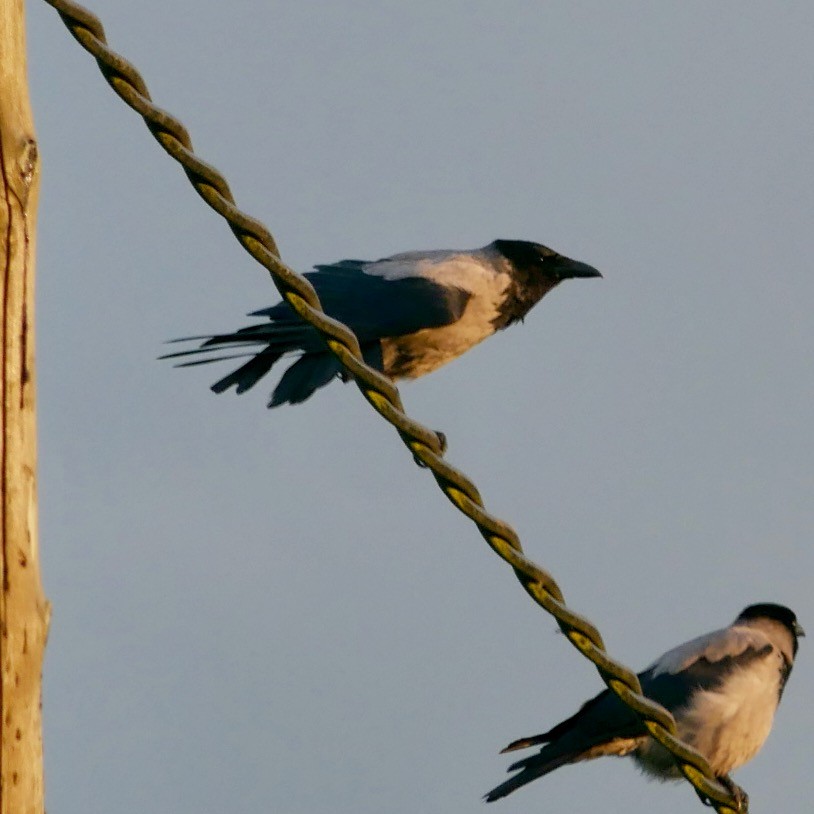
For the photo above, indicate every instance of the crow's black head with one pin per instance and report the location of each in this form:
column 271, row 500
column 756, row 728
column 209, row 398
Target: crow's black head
column 535, row 259
column 778, row 613
column 535, row 270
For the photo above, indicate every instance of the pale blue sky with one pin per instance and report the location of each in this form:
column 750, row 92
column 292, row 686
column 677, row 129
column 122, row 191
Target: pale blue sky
column 277, row 611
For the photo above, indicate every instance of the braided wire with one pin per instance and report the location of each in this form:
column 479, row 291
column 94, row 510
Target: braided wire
column 383, row 395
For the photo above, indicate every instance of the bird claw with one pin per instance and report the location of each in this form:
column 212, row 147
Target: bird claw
column 442, row 442
column 740, row 796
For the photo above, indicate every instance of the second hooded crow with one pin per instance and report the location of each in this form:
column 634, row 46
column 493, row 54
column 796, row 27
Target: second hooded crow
column 412, row 313
column 722, row 688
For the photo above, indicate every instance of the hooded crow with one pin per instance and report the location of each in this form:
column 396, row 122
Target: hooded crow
column 722, row 688
column 412, row 313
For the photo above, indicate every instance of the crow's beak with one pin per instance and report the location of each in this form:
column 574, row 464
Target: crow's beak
column 798, row 630
column 573, row 268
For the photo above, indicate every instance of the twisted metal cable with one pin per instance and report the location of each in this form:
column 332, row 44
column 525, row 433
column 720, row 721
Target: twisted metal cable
column 426, row 446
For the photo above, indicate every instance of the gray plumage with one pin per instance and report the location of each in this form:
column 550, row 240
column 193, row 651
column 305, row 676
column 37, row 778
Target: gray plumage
column 412, row 313
column 722, row 688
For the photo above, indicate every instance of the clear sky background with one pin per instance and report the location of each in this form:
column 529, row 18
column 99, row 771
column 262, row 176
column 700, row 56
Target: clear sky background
column 278, row 611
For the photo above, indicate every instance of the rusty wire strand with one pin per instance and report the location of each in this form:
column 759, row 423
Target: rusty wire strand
column 384, row 396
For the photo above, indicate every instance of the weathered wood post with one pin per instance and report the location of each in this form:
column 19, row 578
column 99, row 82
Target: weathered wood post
column 23, row 607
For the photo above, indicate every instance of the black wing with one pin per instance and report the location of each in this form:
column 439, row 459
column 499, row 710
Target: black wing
column 674, row 690
column 376, row 307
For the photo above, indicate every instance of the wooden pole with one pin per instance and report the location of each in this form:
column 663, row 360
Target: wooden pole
column 23, row 607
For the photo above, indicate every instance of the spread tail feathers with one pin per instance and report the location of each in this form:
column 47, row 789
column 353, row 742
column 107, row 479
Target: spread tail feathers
column 584, row 736
column 314, row 368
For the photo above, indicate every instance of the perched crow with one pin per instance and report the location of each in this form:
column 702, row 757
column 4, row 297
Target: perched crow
column 722, row 688
column 412, row 312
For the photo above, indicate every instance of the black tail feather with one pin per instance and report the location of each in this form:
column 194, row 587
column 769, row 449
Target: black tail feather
column 524, row 743
column 196, row 362
column 531, row 768
column 294, row 336
column 307, row 374
column 247, row 375
column 178, row 354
